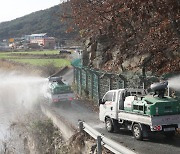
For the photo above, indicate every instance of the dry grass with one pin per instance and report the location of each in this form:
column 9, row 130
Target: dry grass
column 45, row 71
column 13, row 66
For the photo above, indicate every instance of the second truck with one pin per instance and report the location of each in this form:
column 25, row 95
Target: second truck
column 58, row 92
column 134, row 110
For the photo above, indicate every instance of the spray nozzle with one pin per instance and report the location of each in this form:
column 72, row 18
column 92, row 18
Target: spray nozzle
column 159, row 88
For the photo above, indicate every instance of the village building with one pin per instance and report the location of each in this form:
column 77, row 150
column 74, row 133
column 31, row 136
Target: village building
column 41, row 40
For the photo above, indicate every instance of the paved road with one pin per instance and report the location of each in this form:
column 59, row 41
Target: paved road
column 156, row 144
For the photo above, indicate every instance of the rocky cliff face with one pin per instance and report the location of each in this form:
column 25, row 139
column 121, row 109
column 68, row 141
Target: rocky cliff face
column 100, row 53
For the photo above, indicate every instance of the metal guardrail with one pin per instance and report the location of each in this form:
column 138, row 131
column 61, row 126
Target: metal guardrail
column 104, row 141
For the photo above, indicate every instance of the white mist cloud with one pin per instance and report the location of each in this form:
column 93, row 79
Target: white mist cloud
column 174, row 83
column 20, row 89
column 18, row 95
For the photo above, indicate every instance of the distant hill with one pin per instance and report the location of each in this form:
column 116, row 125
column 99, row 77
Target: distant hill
column 44, row 21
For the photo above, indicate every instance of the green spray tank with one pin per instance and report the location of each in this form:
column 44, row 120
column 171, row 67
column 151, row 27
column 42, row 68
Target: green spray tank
column 57, row 86
column 157, row 104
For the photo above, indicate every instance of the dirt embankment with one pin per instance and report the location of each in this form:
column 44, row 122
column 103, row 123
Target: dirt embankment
column 33, row 133
column 44, row 71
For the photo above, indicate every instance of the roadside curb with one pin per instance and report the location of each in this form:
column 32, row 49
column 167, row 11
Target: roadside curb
column 67, row 130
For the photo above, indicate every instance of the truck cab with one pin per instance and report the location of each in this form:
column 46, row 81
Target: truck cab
column 116, row 100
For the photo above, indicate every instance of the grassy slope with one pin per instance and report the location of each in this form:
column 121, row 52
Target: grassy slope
column 47, row 52
column 42, row 62
column 19, row 57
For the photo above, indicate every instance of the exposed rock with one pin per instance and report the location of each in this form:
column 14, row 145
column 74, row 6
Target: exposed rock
column 135, row 63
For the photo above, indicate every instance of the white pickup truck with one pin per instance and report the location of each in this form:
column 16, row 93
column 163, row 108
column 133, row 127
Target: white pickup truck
column 134, row 110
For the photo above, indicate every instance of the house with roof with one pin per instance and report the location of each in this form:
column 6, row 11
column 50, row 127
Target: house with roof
column 42, row 40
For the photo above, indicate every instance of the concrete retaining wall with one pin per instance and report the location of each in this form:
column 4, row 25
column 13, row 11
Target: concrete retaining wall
column 66, row 129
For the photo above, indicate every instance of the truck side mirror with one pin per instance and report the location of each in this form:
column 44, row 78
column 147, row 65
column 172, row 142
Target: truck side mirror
column 101, row 101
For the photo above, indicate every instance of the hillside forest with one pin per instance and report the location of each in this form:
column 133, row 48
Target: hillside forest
column 43, row 21
column 149, row 29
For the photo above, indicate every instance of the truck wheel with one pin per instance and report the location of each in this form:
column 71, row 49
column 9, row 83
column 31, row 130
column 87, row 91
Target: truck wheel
column 137, row 132
column 169, row 134
column 109, row 125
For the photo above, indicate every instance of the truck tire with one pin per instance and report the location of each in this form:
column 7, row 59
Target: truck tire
column 169, row 134
column 109, row 125
column 137, row 132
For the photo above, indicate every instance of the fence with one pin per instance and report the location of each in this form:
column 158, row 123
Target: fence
column 95, row 83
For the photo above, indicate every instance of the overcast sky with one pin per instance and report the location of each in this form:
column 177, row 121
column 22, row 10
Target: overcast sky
column 12, row 9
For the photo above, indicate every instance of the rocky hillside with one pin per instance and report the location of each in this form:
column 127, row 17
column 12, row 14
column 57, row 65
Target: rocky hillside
column 130, row 35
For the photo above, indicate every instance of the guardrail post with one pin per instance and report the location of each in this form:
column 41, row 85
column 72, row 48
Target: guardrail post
column 80, row 126
column 99, row 146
